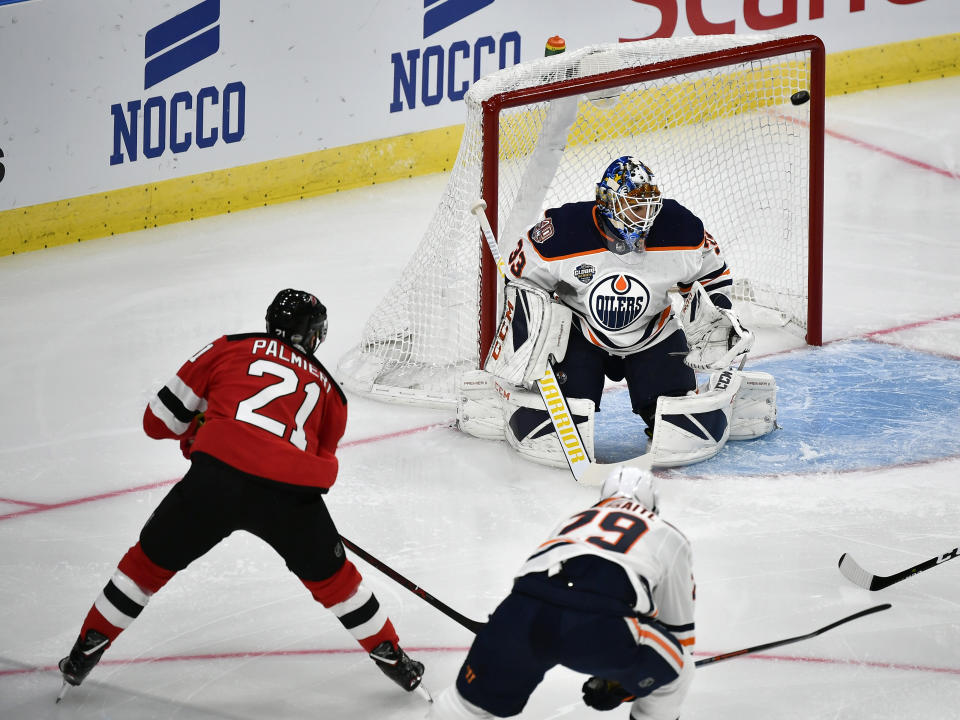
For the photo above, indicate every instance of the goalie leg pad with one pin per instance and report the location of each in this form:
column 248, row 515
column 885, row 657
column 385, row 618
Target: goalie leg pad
column 533, row 330
column 694, row 427
column 754, row 406
column 530, row 432
column 479, row 411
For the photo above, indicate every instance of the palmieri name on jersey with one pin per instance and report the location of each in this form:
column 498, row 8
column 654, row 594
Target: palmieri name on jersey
column 274, row 348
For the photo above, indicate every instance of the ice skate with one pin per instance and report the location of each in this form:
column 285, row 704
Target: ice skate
column 84, row 655
column 397, row 665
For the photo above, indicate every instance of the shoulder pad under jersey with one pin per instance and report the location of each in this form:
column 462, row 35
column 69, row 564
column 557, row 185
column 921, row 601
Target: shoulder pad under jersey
column 565, row 231
column 675, row 228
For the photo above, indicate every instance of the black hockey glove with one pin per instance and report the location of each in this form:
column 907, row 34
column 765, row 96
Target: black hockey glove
column 603, row 694
column 186, row 442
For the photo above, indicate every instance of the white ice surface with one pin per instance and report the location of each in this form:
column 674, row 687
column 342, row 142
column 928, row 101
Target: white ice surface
column 91, row 330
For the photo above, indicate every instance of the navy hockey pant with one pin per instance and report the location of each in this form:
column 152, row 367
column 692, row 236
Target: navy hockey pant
column 527, row 636
column 660, row 370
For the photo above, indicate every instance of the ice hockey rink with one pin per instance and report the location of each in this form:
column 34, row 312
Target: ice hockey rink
column 867, row 462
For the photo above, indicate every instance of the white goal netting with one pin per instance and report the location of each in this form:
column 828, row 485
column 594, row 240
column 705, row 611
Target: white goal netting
column 712, row 116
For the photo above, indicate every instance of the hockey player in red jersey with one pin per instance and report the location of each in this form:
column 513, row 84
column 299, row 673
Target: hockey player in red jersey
column 610, row 594
column 259, row 418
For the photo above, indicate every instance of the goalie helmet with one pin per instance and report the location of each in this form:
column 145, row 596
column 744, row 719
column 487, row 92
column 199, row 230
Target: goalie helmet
column 299, row 318
column 633, row 483
column 629, row 199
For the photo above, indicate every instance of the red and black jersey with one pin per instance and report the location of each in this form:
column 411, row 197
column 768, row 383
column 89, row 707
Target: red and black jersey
column 269, row 409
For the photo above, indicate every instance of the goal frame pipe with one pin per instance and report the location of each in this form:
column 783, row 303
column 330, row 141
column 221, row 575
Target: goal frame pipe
column 490, row 134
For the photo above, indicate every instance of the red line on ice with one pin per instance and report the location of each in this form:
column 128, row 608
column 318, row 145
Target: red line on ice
column 37, row 507
column 351, row 651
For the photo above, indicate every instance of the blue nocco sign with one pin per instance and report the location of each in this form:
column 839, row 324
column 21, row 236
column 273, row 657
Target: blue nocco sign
column 437, row 72
column 185, row 119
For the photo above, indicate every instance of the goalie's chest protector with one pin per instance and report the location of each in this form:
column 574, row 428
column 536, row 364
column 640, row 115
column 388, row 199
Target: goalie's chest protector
column 621, row 301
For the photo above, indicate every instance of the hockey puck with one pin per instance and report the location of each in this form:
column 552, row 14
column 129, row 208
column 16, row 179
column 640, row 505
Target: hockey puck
column 800, row 97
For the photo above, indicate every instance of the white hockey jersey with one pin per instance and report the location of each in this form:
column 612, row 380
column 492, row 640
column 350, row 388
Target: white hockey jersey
column 655, row 555
column 621, row 302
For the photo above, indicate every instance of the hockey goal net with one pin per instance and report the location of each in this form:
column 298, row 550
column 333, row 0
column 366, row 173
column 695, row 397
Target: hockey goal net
column 732, row 126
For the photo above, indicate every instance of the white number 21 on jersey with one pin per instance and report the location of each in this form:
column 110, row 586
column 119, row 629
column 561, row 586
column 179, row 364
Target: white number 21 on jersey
column 247, row 409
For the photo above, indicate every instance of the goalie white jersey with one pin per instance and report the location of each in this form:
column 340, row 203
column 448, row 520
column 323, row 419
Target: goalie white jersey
column 655, row 555
column 621, row 302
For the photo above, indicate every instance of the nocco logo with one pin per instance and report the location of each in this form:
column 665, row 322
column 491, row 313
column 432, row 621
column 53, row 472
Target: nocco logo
column 185, row 119
column 437, row 71
column 618, row 300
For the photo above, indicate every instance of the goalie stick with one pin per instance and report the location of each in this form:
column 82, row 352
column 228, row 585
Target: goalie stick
column 858, row 576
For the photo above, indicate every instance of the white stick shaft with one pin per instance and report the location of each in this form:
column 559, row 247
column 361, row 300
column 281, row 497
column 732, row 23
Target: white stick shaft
column 478, row 210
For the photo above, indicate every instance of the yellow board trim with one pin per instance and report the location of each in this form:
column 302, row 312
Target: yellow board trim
column 293, row 178
column 224, row 191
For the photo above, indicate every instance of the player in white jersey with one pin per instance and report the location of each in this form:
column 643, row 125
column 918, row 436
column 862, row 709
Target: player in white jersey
column 613, row 263
column 609, row 594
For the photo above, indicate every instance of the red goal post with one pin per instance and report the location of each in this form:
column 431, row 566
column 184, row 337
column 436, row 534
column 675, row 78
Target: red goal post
column 733, row 127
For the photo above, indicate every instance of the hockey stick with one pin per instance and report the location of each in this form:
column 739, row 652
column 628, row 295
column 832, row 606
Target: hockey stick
column 471, row 625
column 626, row 696
column 558, row 409
column 474, row 626
column 858, row 576
column 777, row 643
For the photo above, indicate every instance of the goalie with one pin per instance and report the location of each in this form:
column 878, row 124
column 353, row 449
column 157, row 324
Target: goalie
column 589, row 287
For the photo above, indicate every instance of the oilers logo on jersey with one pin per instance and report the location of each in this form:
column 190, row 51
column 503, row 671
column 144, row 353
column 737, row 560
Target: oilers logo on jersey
column 617, row 300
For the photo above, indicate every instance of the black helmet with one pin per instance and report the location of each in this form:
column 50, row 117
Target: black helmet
column 299, row 318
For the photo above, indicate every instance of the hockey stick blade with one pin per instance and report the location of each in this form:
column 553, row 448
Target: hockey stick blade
column 787, row 641
column 596, row 473
column 858, row 576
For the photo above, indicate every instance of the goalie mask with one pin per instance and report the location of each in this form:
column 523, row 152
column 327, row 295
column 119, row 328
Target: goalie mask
column 299, row 318
column 629, row 200
column 632, row 483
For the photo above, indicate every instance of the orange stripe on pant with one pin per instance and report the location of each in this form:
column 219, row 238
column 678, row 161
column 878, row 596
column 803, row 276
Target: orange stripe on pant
column 666, row 646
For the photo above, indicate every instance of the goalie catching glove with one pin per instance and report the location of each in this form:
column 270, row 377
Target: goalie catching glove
column 716, row 338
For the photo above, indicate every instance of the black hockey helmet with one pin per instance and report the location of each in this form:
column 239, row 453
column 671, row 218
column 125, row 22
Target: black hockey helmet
column 299, row 318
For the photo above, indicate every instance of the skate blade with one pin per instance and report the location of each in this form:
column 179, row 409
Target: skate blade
column 424, row 693
column 63, row 691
